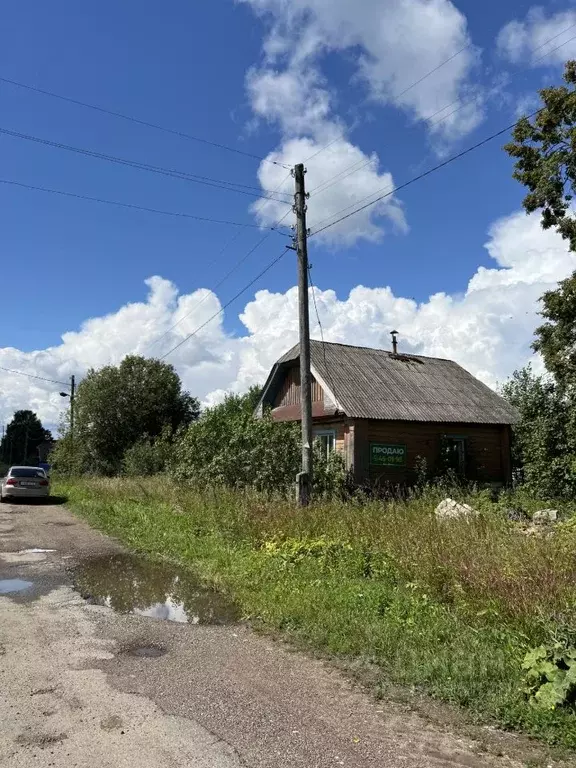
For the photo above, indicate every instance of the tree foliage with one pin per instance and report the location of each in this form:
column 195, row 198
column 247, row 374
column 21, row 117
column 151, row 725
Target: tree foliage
column 228, row 446
column 544, row 445
column 23, row 436
column 118, row 407
column 545, row 152
column 556, row 338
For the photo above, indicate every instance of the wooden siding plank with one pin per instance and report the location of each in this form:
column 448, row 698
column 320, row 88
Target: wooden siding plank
column 289, row 393
column 485, row 446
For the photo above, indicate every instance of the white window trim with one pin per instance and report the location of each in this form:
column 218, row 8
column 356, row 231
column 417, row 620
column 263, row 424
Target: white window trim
column 326, row 433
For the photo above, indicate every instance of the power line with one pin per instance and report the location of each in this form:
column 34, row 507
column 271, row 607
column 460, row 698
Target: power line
column 205, row 180
column 225, row 306
column 234, row 267
column 362, row 164
column 128, row 205
column 432, row 71
column 421, row 176
column 520, row 72
column 215, row 287
column 132, row 119
column 398, row 96
column 328, row 371
column 33, row 376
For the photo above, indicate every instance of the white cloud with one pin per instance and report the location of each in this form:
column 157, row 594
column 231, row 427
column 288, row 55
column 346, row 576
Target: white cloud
column 395, row 42
column 367, row 180
column 540, row 39
column 487, row 329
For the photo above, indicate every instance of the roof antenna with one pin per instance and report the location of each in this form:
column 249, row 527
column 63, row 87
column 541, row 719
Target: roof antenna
column 394, row 342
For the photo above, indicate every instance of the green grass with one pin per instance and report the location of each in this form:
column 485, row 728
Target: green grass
column 448, row 608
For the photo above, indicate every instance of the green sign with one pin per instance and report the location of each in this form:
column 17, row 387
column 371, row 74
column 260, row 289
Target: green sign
column 383, row 455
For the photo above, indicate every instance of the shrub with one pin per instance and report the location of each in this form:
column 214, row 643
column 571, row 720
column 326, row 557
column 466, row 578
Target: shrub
column 148, row 457
column 229, row 447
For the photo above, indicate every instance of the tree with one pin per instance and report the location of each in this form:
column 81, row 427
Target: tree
column 22, row 438
column 545, row 152
column 228, row 446
column 118, row 406
column 556, row 338
column 544, row 438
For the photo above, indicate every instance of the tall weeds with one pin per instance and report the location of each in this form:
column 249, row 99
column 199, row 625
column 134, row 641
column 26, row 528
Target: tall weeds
column 448, row 606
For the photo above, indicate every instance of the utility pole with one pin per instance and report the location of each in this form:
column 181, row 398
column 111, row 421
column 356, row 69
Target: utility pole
column 304, row 478
column 72, row 393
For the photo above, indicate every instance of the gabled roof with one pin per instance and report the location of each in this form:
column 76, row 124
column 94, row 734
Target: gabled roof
column 373, row 384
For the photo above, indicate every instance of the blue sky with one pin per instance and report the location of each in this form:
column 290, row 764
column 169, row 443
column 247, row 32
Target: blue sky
column 200, row 68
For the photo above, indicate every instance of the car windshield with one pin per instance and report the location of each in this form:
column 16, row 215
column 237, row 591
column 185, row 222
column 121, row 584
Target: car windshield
column 26, row 472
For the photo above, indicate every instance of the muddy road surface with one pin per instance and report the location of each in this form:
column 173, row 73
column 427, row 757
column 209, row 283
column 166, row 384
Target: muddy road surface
column 107, row 660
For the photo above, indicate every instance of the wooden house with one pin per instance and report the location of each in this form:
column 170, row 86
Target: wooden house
column 387, row 412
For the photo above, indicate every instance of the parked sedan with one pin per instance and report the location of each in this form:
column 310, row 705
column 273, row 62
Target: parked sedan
column 25, row 482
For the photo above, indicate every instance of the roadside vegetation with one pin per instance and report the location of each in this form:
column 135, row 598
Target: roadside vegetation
column 479, row 611
column 450, row 607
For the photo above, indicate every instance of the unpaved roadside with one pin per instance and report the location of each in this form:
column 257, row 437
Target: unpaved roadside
column 72, row 692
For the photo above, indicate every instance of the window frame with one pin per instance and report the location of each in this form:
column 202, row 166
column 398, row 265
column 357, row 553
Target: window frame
column 326, row 433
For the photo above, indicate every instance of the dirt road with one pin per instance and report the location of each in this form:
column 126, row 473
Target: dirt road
column 101, row 682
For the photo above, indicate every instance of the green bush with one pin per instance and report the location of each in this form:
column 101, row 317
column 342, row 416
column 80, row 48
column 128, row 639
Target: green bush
column 228, row 447
column 148, row 457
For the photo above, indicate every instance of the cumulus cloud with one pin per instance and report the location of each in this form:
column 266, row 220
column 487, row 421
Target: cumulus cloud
column 394, row 44
column 487, row 329
column 540, row 39
column 328, row 199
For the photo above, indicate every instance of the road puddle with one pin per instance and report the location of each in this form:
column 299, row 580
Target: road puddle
column 131, row 584
column 10, row 586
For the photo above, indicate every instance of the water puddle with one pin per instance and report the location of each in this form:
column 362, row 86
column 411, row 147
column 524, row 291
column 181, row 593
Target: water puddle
column 9, row 586
column 35, row 551
column 131, row 584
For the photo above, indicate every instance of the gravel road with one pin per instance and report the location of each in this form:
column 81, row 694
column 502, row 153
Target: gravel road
column 83, row 685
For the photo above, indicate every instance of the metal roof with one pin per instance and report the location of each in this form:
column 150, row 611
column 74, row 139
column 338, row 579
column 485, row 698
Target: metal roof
column 375, row 384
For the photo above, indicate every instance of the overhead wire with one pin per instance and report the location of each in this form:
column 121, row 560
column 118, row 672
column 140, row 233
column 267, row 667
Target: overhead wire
column 328, row 370
column 420, row 176
column 517, row 74
column 237, row 295
column 138, row 121
column 184, row 175
column 230, row 272
column 33, row 376
column 129, row 205
column 398, row 96
column 359, row 165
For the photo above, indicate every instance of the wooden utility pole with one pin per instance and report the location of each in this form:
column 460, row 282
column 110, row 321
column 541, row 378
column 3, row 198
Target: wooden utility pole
column 72, row 393
column 304, row 479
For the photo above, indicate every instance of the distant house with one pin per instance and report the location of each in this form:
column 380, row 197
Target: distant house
column 385, row 412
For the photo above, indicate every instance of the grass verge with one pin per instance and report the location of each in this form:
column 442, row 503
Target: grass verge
column 448, row 608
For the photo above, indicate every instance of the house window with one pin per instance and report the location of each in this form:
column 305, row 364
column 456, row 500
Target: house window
column 454, row 453
column 326, row 438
